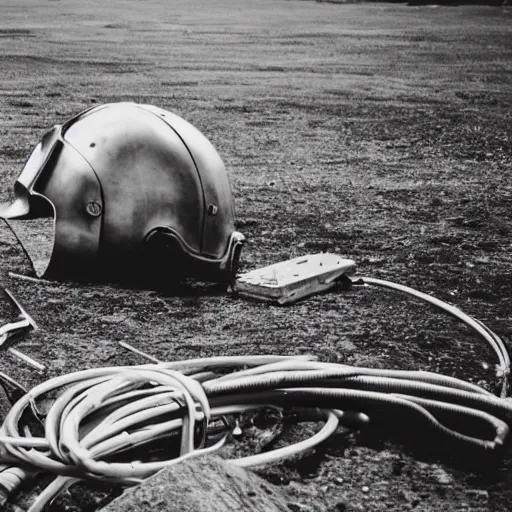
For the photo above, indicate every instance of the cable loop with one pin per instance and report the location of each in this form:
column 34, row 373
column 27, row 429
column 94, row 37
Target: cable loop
column 103, row 415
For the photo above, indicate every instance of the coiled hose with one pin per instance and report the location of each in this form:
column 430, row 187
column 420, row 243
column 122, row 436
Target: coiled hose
column 102, row 414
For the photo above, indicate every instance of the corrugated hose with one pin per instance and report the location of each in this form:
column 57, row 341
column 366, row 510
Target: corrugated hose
column 101, row 416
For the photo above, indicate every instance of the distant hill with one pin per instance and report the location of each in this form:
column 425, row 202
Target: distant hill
column 424, row 2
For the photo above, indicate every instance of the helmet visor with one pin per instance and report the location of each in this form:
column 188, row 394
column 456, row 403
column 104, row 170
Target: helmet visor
column 30, row 215
column 37, row 237
column 51, row 214
column 21, row 206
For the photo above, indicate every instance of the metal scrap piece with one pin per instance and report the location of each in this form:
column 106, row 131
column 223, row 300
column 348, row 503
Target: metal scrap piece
column 12, row 330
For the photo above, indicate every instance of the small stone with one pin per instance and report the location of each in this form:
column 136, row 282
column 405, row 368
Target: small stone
column 339, row 480
column 478, row 493
column 442, row 477
column 297, row 507
column 365, row 489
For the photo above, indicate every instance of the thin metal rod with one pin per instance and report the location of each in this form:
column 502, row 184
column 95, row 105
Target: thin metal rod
column 139, row 352
column 14, row 275
column 22, row 311
column 27, row 359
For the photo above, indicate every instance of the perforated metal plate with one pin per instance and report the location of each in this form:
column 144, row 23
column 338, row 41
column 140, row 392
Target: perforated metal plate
column 294, row 279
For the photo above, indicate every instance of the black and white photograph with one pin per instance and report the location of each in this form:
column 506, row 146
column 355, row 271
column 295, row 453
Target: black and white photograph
column 255, row 255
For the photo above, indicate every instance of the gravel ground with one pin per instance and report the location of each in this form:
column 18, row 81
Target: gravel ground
column 379, row 132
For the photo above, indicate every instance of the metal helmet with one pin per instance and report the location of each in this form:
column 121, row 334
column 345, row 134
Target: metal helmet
column 135, row 192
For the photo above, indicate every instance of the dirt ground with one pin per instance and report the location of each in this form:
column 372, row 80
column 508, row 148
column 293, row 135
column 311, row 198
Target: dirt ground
column 379, row 132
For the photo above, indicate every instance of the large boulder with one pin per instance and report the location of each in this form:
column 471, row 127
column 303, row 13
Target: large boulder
column 204, row 484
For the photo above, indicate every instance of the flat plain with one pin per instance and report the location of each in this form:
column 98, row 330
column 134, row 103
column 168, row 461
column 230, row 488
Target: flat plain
column 381, row 132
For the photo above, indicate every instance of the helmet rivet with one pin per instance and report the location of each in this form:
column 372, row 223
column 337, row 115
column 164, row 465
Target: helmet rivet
column 93, row 208
column 212, row 209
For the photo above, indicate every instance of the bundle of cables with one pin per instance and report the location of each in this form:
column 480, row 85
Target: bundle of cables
column 100, row 417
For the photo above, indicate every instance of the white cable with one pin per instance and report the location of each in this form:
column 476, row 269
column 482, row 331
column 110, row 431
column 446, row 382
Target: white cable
column 110, row 411
column 492, row 338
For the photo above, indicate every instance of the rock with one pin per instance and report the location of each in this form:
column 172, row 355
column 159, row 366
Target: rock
column 442, row 477
column 484, row 295
column 478, row 493
column 204, row 484
column 298, row 507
